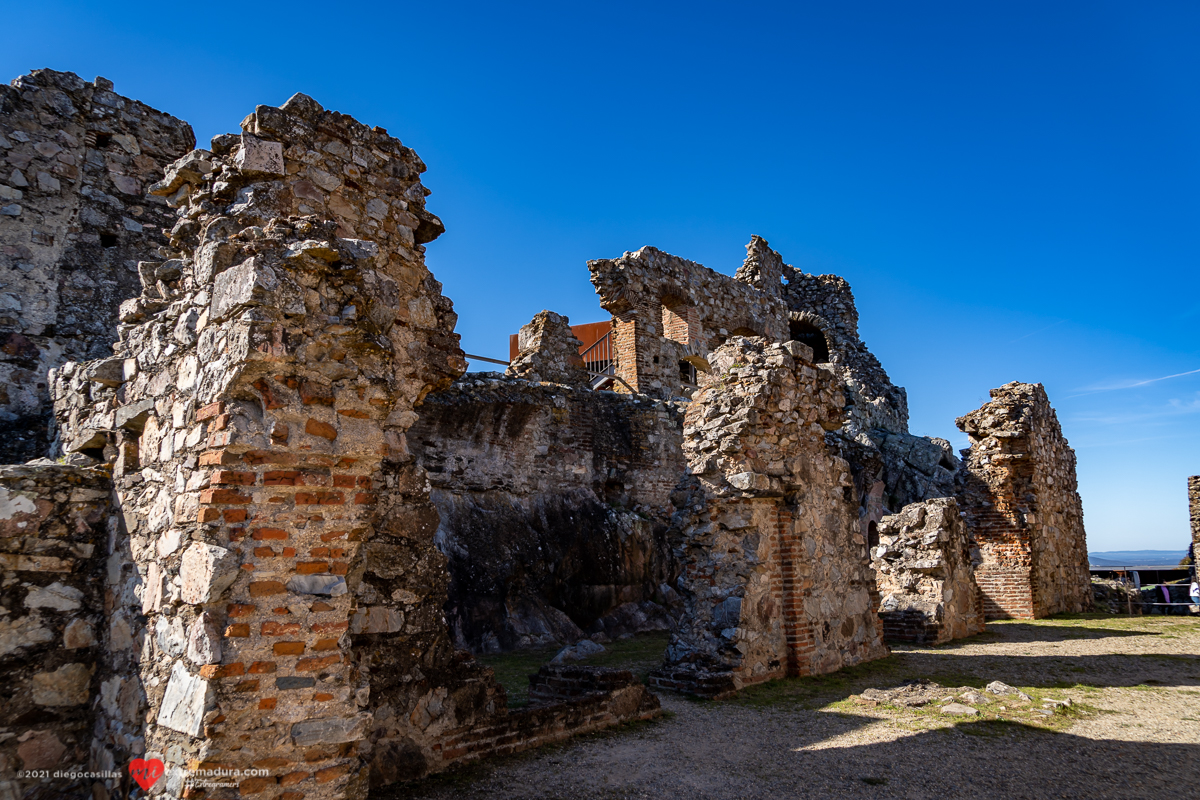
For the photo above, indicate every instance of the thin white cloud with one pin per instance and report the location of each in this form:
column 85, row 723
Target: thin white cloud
column 1133, row 384
column 1039, row 330
column 1173, row 408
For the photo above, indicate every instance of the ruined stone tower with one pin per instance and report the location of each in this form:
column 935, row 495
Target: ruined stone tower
column 274, row 596
column 1022, row 505
column 1194, row 513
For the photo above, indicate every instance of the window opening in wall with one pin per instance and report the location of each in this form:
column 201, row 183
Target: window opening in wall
column 108, row 240
column 103, row 140
column 872, row 534
column 687, row 373
column 676, row 316
column 811, row 335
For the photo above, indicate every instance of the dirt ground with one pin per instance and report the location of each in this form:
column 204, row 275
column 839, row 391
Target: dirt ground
column 1133, row 730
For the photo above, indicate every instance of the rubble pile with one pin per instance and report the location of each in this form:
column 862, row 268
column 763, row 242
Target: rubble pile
column 925, row 575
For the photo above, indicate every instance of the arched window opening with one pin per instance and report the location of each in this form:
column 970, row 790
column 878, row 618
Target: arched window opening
column 680, row 322
column 872, row 534
column 811, row 335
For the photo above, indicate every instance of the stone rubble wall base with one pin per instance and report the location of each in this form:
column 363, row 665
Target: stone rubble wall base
column 572, row 484
column 1021, row 502
column 56, row 526
column 566, row 701
column 924, row 571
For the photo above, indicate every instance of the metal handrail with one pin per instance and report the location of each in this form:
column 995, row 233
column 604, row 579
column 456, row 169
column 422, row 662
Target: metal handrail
column 489, row 360
column 598, row 357
column 613, row 376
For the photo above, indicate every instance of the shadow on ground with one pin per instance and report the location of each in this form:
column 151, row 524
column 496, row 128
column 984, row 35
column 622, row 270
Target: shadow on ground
column 793, row 738
column 743, row 754
column 1032, row 632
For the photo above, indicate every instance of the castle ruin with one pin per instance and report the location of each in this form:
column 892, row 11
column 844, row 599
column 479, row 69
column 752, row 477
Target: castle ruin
column 286, row 516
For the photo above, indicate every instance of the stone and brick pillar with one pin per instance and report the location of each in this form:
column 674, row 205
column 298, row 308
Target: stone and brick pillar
column 549, row 352
column 255, row 412
column 776, row 575
column 1022, row 507
column 1194, row 513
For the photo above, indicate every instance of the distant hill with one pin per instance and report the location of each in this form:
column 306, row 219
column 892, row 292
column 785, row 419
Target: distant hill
column 1137, row 558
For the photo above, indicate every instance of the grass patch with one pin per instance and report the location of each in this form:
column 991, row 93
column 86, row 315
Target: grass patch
column 513, row 670
column 639, row 654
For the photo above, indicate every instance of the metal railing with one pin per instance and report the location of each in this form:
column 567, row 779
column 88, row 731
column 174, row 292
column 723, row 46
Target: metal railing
column 599, row 357
column 485, row 358
column 600, row 379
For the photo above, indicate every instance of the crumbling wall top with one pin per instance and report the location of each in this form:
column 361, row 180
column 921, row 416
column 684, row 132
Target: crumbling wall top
column 651, row 277
column 549, row 351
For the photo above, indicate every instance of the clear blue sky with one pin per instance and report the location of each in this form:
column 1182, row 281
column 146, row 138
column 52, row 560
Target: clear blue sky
column 1010, row 188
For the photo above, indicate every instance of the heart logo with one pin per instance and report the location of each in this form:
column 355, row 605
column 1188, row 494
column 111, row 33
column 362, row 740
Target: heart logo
column 146, row 773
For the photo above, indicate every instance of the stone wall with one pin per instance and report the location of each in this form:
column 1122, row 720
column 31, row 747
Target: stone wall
column 56, row 651
column 821, row 310
column 75, row 220
column 892, row 467
column 776, row 574
column 1022, row 506
column 1194, row 511
column 255, row 415
column 554, row 502
column 667, row 311
column 924, row 571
